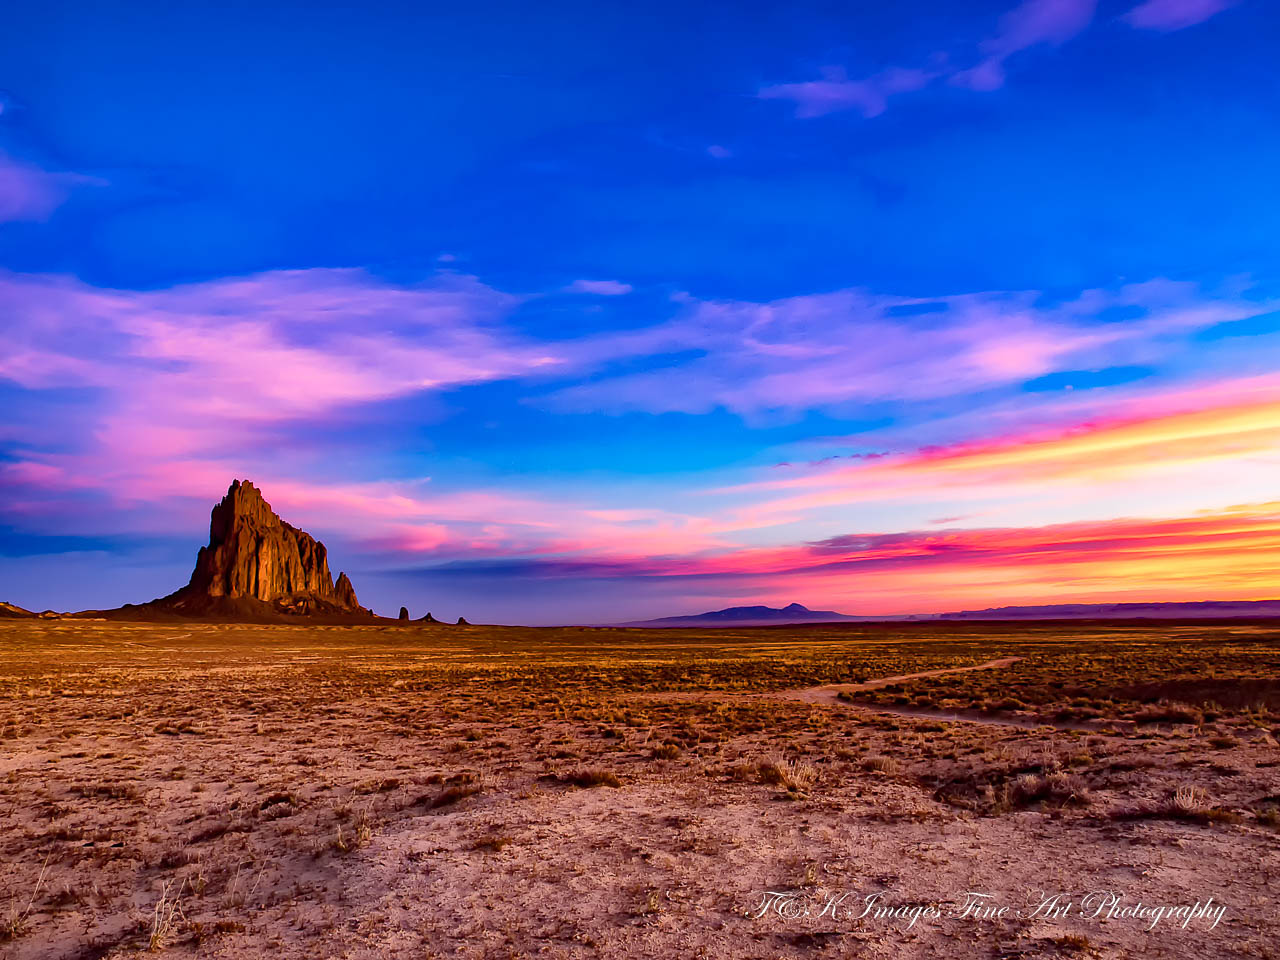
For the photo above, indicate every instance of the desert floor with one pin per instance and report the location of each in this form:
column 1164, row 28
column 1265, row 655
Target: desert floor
column 421, row 791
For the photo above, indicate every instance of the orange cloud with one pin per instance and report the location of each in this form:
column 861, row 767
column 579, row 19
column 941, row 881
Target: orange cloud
column 1168, row 435
column 1226, row 554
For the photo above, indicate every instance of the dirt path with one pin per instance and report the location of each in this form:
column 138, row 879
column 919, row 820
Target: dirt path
column 829, row 695
column 831, row 692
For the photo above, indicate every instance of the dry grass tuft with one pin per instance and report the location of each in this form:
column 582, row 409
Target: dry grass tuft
column 166, row 917
column 1189, row 804
column 797, row 776
column 453, row 794
column 887, row 765
column 17, row 923
column 594, row 777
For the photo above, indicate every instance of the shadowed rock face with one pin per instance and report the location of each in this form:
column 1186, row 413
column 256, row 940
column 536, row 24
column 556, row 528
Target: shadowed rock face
column 252, row 553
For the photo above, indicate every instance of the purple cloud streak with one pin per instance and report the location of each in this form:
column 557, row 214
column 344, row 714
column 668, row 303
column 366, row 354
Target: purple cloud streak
column 1031, row 24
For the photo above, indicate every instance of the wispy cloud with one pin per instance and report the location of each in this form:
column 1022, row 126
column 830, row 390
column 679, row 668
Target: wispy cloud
column 1031, row 24
column 1169, row 15
column 255, row 350
column 600, row 288
column 828, row 351
column 29, row 193
column 869, row 96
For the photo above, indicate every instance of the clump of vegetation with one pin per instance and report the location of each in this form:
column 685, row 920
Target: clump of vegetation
column 166, row 916
column 1268, row 816
column 1189, row 804
column 358, row 834
column 108, row 791
column 1060, row 788
column 796, row 776
column 171, row 729
column 881, row 764
column 1073, row 943
column 1007, row 788
column 452, row 794
column 17, row 922
column 492, row 842
column 1165, row 712
column 593, row 777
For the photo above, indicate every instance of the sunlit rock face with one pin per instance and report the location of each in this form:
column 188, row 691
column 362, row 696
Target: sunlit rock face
column 252, row 553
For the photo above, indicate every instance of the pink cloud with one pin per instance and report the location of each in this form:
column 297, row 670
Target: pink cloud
column 1223, row 554
column 29, row 193
column 197, row 384
column 1163, row 448
column 1169, row 15
column 1051, row 22
column 830, row 351
column 600, row 288
column 1035, row 22
column 1032, row 24
column 870, row 96
column 193, row 363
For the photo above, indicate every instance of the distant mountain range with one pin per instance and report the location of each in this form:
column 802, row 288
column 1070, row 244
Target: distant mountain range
column 757, row 616
column 749, row 617
column 1190, row 609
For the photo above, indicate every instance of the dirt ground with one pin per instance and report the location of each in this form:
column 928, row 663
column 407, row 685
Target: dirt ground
column 1082, row 789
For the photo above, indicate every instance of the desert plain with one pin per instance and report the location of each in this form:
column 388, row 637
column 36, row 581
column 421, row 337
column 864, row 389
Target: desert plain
column 1090, row 789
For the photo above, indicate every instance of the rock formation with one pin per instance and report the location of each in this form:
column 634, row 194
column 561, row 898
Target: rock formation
column 344, row 594
column 462, row 622
column 253, row 553
column 256, row 569
column 428, row 618
column 257, row 563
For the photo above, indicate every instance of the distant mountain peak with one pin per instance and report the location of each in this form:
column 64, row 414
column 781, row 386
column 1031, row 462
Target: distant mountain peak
column 748, row 616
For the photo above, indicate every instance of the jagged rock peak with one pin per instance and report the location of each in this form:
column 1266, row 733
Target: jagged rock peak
column 344, row 594
column 404, row 613
column 253, row 553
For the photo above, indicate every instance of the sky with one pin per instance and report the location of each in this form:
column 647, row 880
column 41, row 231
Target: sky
column 583, row 313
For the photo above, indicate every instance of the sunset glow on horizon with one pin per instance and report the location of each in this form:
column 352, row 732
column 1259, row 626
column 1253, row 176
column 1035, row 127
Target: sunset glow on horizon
column 959, row 317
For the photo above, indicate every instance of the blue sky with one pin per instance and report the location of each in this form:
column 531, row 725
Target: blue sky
column 568, row 283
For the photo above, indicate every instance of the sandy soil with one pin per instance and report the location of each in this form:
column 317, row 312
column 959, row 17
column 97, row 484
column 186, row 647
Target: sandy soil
column 478, row 792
